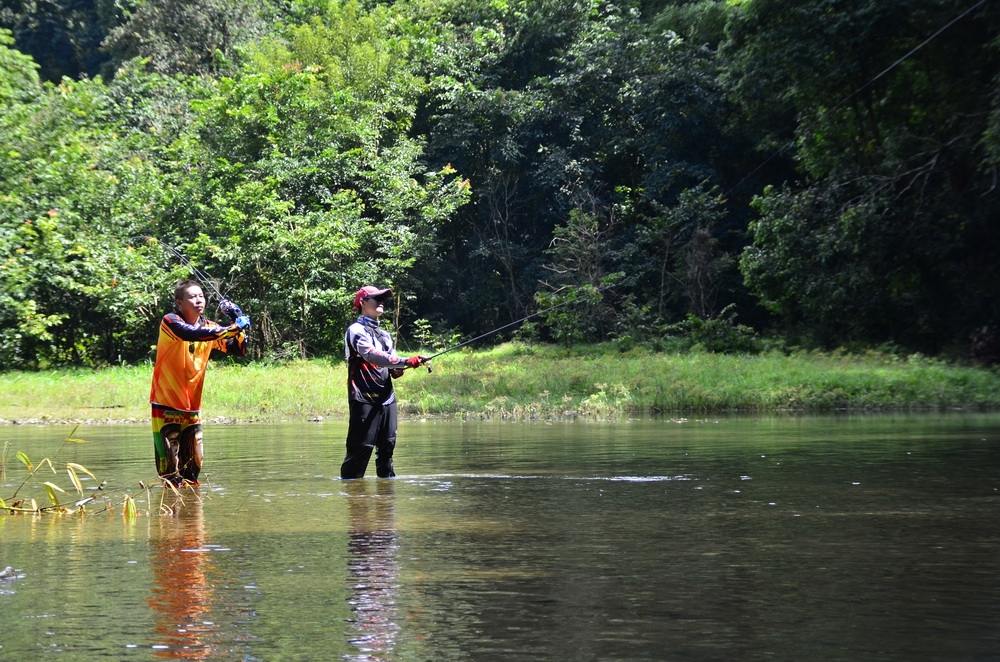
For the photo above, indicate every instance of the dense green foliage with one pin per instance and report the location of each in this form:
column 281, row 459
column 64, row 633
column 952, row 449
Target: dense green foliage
column 891, row 229
column 817, row 169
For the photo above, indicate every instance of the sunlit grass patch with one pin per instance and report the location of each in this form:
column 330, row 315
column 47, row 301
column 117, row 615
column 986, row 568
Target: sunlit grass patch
column 516, row 380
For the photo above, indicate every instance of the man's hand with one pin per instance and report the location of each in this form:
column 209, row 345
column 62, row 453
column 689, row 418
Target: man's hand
column 231, row 309
column 415, row 361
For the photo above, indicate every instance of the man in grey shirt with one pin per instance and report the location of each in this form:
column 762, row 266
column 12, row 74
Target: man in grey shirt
column 372, row 364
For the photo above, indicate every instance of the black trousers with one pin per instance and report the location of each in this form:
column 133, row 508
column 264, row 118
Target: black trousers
column 371, row 427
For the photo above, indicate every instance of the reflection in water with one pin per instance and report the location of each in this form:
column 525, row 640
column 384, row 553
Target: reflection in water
column 372, row 568
column 181, row 596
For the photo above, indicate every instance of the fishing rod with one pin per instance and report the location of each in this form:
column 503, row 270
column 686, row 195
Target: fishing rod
column 509, row 324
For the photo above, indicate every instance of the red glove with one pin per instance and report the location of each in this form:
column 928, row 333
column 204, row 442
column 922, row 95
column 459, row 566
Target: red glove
column 415, row 361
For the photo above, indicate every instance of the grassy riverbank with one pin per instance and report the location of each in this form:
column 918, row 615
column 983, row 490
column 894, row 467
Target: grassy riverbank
column 515, row 380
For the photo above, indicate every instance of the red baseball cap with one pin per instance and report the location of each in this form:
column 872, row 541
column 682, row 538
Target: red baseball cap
column 370, row 292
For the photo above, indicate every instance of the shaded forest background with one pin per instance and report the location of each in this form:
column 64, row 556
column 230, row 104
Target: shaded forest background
column 727, row 174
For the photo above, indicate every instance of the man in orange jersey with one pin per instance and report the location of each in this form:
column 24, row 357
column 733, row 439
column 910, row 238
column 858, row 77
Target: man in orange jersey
column 186, row 340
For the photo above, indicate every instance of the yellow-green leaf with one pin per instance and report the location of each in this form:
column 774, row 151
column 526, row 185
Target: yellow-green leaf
column 25, row 460
column 74, row 440
column 3, row 504
column 74, row 479
column 51, row 489
column 129, row 509
column 80, row 468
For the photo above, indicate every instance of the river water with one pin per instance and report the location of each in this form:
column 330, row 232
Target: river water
column 874, row 538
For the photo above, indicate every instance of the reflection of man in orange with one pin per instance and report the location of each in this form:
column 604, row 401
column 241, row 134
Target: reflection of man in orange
column 181, row 596
column 372, row 569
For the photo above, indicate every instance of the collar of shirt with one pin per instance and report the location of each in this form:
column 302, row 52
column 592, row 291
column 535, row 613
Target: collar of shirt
column 200, row 321
column 368, row 321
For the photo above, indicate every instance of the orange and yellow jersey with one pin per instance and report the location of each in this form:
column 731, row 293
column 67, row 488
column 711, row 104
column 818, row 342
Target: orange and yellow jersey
column 182, row 352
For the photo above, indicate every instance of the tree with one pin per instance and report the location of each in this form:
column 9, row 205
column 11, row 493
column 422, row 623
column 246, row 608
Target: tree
column 606, row 102
column 303, row 182
column 683, row 253
column 580, row 258
column 887, row 233
column 176, row 36
column 71, row 191
column 63, row 36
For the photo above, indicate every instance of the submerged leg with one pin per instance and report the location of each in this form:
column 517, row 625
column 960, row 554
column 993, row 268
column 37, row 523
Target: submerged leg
column 362, row 432
column 387, row 443
column 190, row 454
column 164, row 455
column 167, row 445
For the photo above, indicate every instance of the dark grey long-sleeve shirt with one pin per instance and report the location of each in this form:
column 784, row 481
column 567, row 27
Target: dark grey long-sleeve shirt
column 370, row 355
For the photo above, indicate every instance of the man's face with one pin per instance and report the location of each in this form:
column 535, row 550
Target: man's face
column 372, row 307
column 192, row 303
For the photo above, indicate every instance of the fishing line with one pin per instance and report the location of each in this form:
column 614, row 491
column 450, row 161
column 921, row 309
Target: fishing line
column 856, row 92
column 202, row 276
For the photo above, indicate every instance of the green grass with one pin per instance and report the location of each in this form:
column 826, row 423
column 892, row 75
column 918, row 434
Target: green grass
column 526, row 381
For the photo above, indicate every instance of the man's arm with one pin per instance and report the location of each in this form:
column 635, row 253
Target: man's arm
column 366, row 349
column 175, row 325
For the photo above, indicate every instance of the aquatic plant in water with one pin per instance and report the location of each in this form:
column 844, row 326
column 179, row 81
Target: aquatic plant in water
column 61, row 501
